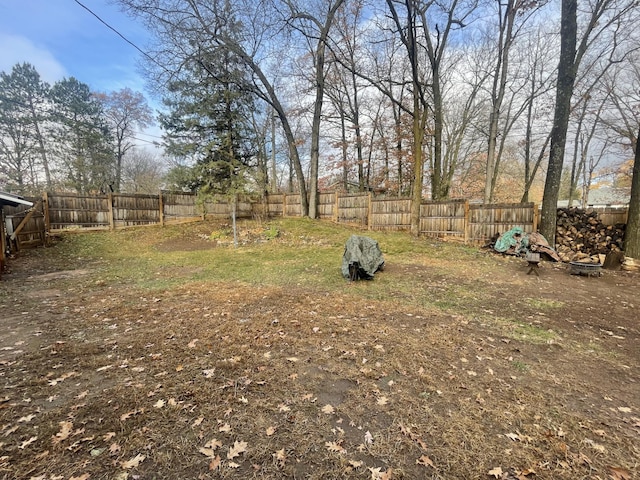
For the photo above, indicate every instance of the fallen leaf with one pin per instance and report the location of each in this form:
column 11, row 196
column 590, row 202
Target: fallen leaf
column 382, row 400
column 114, row 448
column 236, row 450
column 26, row 419
column 233, row 465
column 378, row 474
column 213, row 444
column 134, row 462
column 496, row 472
column 270, row 431
column 513, row 436
column 159, row 404
column 293, row 359
column 368, row 438
column 215, row 463
column 283, row 408
column 280, row 457
column 192, row 343
column 108, row 436
column 226, row 428
column 334, row 447
column 618, row 473
column 624, row 409
column 328, row 409
column 197, row 422
column 208, row 452
column 26, row 443
column 64, row 433
column 426, row 461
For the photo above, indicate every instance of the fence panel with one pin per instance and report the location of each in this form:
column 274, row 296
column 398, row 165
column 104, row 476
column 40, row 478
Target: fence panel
column 611, row 215
column 135, row 209
column 293, row 206
column 353, row 209
column 390, row 214
column 274, row 204
column 33, row 231
column 326, row 205
column 485, row 221
column 444, row 219
column 180, row 206
column 70, row 210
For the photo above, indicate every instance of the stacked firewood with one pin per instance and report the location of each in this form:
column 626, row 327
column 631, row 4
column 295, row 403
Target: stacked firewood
column 581, row 236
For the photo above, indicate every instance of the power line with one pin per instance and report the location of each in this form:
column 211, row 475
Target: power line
column 120, row 35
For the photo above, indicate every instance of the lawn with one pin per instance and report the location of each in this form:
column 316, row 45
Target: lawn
column 166, row 353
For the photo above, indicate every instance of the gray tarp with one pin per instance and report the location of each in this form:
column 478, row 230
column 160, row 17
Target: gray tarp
column 362, row 258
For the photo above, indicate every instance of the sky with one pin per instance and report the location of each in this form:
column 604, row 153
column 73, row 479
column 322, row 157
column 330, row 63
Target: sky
column 62, row 39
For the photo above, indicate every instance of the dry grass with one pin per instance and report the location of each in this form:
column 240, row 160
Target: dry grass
column 171, row 356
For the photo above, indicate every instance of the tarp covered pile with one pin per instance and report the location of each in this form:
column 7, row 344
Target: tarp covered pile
column 516, row 242
column 362, row 258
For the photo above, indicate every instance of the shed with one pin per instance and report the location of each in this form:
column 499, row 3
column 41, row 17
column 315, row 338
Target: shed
column 8, row 200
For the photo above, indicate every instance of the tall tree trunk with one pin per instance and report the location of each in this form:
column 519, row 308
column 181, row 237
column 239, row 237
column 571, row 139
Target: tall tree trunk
column 564, row 90
column 632, row 235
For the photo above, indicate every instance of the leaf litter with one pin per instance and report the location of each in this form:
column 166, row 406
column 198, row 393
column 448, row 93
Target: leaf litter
column 284, row 404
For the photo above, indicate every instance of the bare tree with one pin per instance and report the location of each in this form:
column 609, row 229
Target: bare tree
column 602, row 15
column 632, row 235
column 316, row 29
column 125, row 111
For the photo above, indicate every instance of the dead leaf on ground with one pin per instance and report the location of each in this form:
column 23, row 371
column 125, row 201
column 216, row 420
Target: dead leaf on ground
column 328, row 409
column 236, row 450
column 378, row 474
column 496, row 472
column 134, row 462
column 270, row 431
column 617, row 473
column 334, row 447
column 215, row 463
column 426, row 461
column 280, row 457
column 26, row 443
column 64, row 433
column 226, row 428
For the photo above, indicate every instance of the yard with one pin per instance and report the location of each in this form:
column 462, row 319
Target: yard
column 165, row 353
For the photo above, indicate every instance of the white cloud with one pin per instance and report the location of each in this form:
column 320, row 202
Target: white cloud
column 17, row 49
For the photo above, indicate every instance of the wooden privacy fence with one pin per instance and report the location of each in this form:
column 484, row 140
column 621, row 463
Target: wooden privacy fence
column 460, row 219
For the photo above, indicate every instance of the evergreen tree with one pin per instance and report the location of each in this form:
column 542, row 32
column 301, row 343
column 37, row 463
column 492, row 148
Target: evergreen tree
column 209, row 119
column 82, row 138
column 23, row 114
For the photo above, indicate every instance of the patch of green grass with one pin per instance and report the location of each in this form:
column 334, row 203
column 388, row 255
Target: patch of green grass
column 543, row 303
column 533, row 333
column 520, row 366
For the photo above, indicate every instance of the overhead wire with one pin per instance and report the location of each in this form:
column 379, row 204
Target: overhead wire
column 120, row 35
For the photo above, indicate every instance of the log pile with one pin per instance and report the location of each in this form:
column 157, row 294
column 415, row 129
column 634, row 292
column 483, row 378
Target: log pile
column 581, row 236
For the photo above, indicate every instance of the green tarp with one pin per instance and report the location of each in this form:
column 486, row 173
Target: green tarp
column 362, row 258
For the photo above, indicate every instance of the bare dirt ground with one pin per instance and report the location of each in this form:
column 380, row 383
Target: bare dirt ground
column 226, row 380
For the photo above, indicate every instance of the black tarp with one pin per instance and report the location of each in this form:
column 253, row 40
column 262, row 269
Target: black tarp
column 362, row 258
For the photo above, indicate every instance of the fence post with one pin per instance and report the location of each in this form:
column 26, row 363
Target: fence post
column 369, row 211
column 161, row 208
column 535, row 217
column 284, row 204
column 47, row 219
column 112, row 220
column 336, row 206
column 467, row 221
